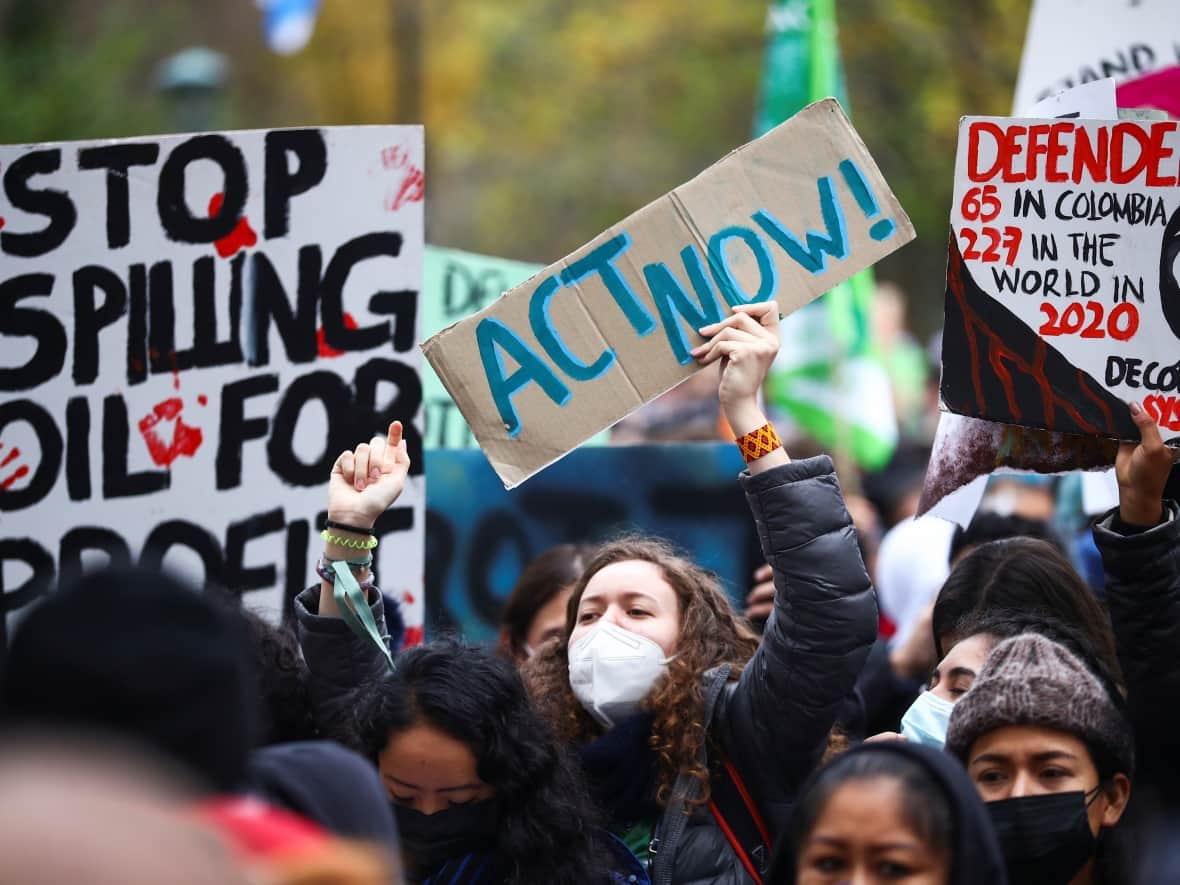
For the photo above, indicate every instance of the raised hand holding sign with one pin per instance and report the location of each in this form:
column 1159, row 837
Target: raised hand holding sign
column 613, row 325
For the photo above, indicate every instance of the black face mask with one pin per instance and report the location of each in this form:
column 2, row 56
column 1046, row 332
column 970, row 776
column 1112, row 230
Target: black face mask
column 1045, row 839
column 430, row 840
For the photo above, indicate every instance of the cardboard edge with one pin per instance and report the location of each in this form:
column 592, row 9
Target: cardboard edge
column 901, row 217
column 511, row 476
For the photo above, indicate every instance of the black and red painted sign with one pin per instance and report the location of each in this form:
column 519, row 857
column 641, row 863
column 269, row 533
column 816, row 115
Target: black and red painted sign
column 1063, row 282
column 191, row 329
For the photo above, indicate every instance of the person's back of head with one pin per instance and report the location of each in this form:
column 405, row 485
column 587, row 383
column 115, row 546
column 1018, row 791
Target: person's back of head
column 894, row 490
column 282, row 680
column 140, row 655
column 328, row 784
column 1026, row 577
column 102, row 814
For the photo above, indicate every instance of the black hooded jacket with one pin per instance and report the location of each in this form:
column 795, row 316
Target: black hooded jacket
column 1143, row 592
column 976, row 858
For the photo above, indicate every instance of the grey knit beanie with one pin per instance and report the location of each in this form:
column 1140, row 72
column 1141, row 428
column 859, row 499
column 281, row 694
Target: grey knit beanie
column 1031, row 680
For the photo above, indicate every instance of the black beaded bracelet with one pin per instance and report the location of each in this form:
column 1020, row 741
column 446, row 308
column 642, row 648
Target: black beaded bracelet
column 343, row 526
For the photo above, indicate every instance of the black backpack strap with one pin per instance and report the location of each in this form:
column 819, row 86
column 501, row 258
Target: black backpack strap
column 734, row 810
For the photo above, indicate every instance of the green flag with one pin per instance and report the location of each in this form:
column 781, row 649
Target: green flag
column 827, row 379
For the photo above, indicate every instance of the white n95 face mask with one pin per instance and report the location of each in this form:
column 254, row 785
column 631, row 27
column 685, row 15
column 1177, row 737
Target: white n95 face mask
column 612, row 670
column 927, row 720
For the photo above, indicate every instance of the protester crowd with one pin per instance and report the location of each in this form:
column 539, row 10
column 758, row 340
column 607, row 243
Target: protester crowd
column 985, row 714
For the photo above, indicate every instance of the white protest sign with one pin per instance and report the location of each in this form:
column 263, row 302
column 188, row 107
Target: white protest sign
column 609, row 327
column 1062, row 296
column 1070, row 42
column 193, row 328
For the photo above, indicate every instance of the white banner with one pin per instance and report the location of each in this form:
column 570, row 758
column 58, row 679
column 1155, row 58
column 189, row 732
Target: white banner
column 193, row 328
column 1070, row 42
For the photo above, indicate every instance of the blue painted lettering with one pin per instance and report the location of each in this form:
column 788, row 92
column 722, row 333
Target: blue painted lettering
column 493, row 336
column 561, row 355
column 868, row 203
column 813, row 256
column 726, row 282
column 674, row 303
column 600, row 261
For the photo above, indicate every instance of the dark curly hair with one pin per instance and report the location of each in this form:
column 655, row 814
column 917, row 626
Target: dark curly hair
column 711, row 633
column 546, row 820
column 283, row 681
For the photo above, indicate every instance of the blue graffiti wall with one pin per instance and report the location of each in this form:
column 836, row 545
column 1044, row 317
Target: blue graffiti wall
column 479, row 536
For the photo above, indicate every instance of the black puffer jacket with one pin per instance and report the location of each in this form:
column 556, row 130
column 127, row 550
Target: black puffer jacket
column 773, row 723
column 338, row 661
column 1143, row 592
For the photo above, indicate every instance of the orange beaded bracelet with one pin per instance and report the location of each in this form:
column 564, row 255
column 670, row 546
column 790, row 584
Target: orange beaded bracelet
column 758, row 442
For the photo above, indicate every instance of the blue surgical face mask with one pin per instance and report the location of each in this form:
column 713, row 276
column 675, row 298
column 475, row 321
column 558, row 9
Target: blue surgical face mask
column 927, row 720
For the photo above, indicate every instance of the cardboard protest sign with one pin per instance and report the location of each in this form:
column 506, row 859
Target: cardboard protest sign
column 481, row 537
column 1070, row 42
column 194, row 327
column 596, row 335
column 1062, row 296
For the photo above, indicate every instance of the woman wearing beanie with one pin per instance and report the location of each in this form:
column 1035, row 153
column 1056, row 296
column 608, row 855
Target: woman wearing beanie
column 891, row 812
column 1049, row 748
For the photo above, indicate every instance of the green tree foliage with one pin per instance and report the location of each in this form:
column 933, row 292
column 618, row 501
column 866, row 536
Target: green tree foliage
column 61, row 81
column 579, row 113
column 914, row 68
column 546, row 120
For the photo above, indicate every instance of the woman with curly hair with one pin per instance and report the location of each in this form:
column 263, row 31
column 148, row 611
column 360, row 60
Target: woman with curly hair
column 673, row 700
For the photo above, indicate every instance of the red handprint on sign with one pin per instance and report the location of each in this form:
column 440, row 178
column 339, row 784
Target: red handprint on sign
column 185, row 438
column 412, row 188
